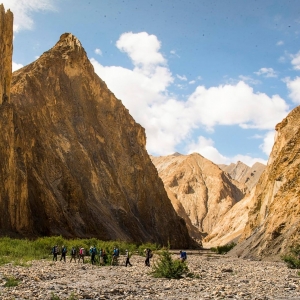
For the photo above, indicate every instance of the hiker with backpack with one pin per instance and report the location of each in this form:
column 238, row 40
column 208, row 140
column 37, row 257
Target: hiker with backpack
column 115, row 256
column 81, row 254
column 183, row 256
column 73, row 254
column 93, row 252
column 63, row 253
column 127, row 254
column 54, row 252
column 149, row 255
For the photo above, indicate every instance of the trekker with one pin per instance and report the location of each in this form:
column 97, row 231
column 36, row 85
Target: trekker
column 114, row 260
column 148, row 256
column 73, row 254
column 183, row 256
column 127, row 258
column 101, row 258
column 54, row 252
column 63, row 253
column 81, row 254
column 93, row 252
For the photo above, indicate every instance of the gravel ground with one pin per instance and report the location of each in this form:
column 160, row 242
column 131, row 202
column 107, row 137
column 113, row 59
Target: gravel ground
column 217, row 277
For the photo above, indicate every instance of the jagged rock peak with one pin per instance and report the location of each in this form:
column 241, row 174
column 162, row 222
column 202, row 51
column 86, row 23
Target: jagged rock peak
column 176, row 154
column 68, row 40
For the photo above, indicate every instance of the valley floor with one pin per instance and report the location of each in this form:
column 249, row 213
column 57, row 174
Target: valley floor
column 219, row 277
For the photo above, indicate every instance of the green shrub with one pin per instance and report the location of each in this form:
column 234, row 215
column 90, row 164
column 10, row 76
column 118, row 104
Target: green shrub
column 292, row 259
column 11, row 281
column 168, row 267
column 223, row 249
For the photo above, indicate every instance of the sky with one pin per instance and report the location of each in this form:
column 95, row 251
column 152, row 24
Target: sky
column 213, row 77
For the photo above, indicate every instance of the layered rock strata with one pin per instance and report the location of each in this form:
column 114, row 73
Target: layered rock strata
column 201, row 193
column 81, row 165
column 274, row 216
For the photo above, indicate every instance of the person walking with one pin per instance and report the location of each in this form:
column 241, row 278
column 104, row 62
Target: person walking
column 63, row 253
column 101, row 258
column 54, row 252
column 127, row 254
column 93, row 252
column 73, row 254
column 81, row 255
column 183, row 256
column 148, row 256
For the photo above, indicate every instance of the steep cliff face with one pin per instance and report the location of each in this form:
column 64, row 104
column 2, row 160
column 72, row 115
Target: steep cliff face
column 6, row 38
column 244, row 174
column 205, row 192
column 274, row 217
column 81, row 161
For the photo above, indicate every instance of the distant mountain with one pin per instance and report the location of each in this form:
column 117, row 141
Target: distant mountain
column 200, row 192
column 243, row 173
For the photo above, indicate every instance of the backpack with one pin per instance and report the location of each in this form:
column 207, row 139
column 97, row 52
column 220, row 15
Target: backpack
column 117, row 252
column 73, row 251
column 64, row 250
column 150, row 254
column 81, row 251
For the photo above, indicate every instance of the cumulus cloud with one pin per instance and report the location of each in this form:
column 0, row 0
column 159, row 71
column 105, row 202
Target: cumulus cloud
column 23, row 9
column 296, row 61
column 268, row 142
column 294, row 89
column 16, row 66
column 206, row 148
column 98, row 51
column 169, row 120
column 266, row 72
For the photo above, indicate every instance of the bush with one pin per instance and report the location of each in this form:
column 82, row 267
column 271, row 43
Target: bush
column 223, row 249
column 292, row 259
column 168, row 267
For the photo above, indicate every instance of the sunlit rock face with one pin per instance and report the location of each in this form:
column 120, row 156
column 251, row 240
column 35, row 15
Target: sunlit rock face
column 244, row 174
column 81, row 163
column 274, row 217
column 200, row 191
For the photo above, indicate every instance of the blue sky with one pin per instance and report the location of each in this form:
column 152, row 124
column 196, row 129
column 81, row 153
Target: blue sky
column 213, row 77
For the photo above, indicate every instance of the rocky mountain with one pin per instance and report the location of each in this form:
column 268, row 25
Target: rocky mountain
column 200, row 192
column 243, row 173
column 231, row 226
column 81, row 167
column 274, row 216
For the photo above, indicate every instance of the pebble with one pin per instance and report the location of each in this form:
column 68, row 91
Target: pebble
column 220, row 278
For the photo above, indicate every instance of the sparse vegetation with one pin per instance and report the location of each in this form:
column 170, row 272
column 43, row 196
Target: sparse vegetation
column 167, row 267
column 223, row 249
column 21, row 251
column 11, row 281
column 292, row 259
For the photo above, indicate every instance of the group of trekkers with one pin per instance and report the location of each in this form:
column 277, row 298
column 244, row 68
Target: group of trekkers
column 96, row 255
column 101, row 256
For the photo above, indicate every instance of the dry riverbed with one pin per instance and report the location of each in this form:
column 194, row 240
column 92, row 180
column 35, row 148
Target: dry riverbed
column 217, row 278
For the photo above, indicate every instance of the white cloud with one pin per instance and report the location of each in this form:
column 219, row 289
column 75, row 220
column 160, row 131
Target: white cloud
column 294, row 88
column 247, row 79
column 98, row 51
column 279, row 43
column 183, row 78
column 170, row 121
column 296, row 61
column 22, row 10
column 268, row 142
column 142, row 48
column 266, row 72
column 192, row 82
column 16, row 66
column 206, row 148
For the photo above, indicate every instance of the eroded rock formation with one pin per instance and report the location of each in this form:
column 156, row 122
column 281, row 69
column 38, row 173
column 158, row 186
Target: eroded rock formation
column 80, row 159
column 274, row 217
column 201, row 193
